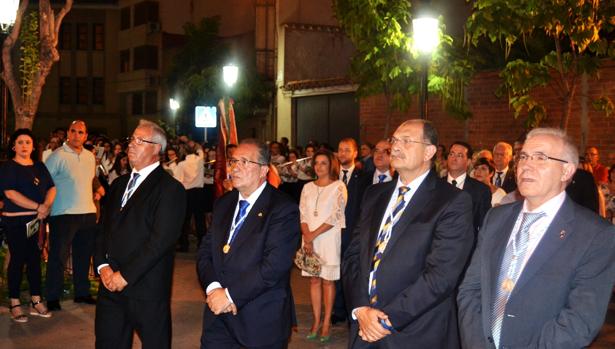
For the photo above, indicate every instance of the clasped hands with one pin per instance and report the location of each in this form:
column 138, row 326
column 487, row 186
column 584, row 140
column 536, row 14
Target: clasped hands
column 113, row 281
column 42, row 211
column 218, row 302
column 370, row 326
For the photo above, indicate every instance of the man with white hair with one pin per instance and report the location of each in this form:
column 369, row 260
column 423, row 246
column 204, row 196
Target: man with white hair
column 543, row 271
column 504, row 176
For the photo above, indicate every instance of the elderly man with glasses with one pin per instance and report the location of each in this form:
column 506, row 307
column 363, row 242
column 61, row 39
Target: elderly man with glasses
column 134, row 256
column 543, row 270
column 245, row 260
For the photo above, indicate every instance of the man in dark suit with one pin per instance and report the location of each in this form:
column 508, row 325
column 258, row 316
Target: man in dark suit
column 245, row 260
column 382, row 171
column 408, row 251
column 134, row 256
column 504, row 176
column 543, row 270
column 347, row 151
column 458, row 161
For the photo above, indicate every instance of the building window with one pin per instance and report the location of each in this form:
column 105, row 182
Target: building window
column 124, row 61
column 151, row 102
column 98, row 37
column 82, row 90
column 98, row 91
column 145, row 57
column 65, row 91
column 82, row 36
column 137, row 103
column 125, row 18
column 145, row 12
column 66, row 36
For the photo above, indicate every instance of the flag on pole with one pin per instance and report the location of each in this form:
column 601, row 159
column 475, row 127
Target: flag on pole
column 232, row 125
column 220, row 167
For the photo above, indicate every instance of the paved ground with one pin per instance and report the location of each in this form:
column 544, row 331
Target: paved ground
column 72, row 328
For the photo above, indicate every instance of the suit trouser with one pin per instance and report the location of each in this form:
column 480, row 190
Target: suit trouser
column 76, row 230
column 195, row 206
column 118, row 317
column 217, row 336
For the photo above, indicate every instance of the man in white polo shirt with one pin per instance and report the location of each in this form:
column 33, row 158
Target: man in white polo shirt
column 73, row 216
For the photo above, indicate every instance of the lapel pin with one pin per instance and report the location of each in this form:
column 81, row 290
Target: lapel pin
column 562, row 234
column 260, row 214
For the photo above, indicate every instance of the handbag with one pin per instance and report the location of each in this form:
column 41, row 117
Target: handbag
column 311, row 264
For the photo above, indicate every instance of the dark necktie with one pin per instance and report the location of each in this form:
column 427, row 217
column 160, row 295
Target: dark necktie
column 345, row 177
column 510, row 268
column 454, row 183
column 383, row 239
column 130, row 188
column 381, row 178
column 498, row 179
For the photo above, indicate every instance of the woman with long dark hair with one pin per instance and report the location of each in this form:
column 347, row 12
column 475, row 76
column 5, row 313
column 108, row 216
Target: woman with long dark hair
column 29, row 192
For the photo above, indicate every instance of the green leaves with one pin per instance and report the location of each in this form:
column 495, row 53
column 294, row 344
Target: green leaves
column 29, row 65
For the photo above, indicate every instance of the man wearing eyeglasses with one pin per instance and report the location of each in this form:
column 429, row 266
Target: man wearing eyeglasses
column 408, row 251
column 543, row 270
column 245, row 259
column 458, row 162
column 134, row 256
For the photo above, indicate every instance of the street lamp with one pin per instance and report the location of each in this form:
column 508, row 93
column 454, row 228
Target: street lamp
column 229, row 74
column 174, row 106
column 426, row 39
column 8, row 13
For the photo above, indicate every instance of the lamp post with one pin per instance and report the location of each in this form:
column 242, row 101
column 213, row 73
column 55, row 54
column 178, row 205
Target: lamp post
column 426, row 39
column 8, row 12
column 174, row 106
column 229, row 74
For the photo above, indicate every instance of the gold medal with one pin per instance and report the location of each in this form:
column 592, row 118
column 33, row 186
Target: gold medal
column 226, row 248
column 508, row 285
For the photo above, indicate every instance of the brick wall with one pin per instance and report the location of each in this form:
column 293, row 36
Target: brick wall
column 493, row 119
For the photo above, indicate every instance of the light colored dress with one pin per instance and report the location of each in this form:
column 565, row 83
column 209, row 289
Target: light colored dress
column 320, row 205
column 497, row 196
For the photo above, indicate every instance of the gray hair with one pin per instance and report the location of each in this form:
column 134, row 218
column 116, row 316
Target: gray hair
column 158, row 134
column 570, row 152
column 264, row 156
column 507, row 147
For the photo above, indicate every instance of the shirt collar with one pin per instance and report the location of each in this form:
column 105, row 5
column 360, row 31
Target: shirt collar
column 412, row 185
column 460, row 179
column 550, row 207
column 254, row 196
column 503, row 171
column 378, row 173
column 145, row 171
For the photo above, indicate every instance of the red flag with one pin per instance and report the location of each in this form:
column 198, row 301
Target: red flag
column 220, row 166
column 233, row 126
column 273, row 177
column 223, row 126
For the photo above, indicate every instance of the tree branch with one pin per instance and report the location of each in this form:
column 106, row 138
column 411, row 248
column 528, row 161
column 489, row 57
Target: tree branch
column 8, row 74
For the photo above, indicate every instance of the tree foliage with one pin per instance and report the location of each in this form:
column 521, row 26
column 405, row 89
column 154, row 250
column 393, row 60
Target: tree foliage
column 581, row 33
column 385, row 61
column 196, row 75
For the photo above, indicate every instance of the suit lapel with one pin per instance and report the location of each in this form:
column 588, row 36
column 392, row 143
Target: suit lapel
column 413, row 208
column 551, row 242
column 144, row 188
column 253, row 221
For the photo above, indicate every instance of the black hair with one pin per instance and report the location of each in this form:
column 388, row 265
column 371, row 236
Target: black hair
column 22, row 132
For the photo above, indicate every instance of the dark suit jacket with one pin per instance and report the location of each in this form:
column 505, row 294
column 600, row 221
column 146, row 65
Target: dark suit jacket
column 256, row 271
column 356, row 187
column 421, row 266
column 510, row 181
column 481, row 200
column 583, row 190
column 139, row 240
column 561, row 297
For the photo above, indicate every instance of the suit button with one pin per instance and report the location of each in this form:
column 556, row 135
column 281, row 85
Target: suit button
column 490, row 339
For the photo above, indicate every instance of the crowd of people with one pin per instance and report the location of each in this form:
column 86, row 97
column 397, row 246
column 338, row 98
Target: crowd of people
column 419, row 244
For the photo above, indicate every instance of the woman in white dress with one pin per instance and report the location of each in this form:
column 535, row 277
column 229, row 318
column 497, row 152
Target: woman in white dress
column 322, row 207
column 484, row 169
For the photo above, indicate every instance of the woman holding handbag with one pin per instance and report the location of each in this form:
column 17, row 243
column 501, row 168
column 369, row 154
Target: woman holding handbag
column 29, row 193
column 322, row 207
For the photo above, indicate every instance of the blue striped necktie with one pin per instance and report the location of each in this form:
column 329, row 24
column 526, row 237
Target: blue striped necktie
column 130, row 188
column 383, row 239
column 381, row 178
column 510, row 271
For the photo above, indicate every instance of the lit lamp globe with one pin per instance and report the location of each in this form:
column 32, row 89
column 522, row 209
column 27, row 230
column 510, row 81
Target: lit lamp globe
column 229, row 74
column 8, row 12
column 173, row 104
column 425, row 34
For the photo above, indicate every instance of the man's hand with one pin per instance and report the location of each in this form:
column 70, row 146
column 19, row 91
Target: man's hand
column 118, row 281
column 106, row 274
column 370, row 328
column 232, row 308
column 218, row 303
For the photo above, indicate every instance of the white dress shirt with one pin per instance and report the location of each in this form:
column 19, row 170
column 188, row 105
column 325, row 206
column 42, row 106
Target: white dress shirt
column 251, row 200
column 461, row 180
column 503, row 175
column 538, row 229
column 348, row 173
column 377, row 173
